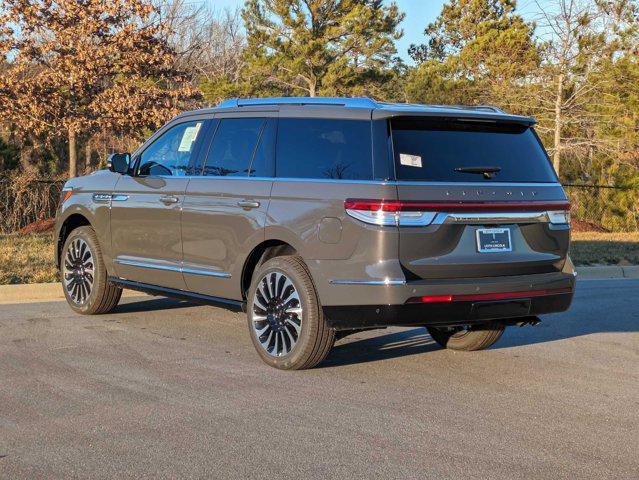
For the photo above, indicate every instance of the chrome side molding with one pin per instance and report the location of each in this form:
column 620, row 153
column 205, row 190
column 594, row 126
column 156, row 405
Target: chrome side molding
column 132, row 263
column 206, row 273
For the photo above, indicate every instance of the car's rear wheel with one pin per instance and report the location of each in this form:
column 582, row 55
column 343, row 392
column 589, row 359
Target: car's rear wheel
column 84, row 276
column 285, row 317
column 468, row 338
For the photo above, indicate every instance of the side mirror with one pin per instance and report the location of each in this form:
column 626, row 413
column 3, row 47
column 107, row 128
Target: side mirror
column 119, row 162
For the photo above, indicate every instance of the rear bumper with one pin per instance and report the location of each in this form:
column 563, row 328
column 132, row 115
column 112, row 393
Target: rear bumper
column 444, row 314
column 392, row 308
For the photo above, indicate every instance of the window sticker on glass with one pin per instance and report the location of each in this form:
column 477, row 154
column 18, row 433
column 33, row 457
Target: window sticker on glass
column 410, row 160
column 188, row 138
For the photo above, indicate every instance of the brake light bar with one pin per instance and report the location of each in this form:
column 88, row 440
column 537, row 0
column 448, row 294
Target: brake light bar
column 466, row 207
column 487, row 296
column 417, row 213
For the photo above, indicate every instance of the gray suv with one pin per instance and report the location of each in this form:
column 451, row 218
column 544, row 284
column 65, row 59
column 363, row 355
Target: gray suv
column 324, row 216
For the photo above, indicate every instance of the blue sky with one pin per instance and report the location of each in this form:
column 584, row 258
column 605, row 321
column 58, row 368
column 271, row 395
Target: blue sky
column 419, row 13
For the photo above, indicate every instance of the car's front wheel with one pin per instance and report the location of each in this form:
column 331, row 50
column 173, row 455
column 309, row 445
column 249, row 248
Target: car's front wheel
column 285, row 318
column 84, row 276
column 469, row 338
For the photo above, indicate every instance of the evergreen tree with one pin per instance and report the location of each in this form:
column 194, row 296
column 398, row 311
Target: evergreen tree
column 475, row 49
column 329, row 47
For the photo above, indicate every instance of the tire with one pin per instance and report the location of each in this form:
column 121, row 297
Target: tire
column 283, row 307
column 478, row 337
column 84, row 276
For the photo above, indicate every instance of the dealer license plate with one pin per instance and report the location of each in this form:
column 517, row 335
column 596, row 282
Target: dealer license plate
column 493, row 240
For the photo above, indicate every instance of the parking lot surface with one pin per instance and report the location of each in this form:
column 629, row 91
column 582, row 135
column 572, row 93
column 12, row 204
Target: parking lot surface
column 168, row 389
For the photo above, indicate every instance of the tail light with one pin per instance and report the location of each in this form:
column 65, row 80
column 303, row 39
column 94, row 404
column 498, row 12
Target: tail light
column 398, row 213
column 559, row 216
column 389, row 212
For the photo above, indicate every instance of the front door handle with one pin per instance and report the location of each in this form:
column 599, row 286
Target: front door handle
column 248, row 204
column 169, row 199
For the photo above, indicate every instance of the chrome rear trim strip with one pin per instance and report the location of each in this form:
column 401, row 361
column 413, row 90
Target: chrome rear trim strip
column 498, row 218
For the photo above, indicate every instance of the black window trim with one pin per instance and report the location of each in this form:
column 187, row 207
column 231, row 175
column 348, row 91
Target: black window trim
column 137, row 155
column 257, row 144
column 218, row 121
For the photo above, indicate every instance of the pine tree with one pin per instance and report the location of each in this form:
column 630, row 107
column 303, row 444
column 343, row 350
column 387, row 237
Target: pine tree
column 316, row 47
column 474, row 49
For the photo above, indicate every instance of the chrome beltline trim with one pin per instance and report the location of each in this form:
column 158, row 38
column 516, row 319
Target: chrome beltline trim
column 173, row 269
column 366, row 182
column 367, row 282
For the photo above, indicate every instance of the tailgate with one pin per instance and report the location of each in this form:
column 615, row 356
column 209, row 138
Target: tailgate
column 486, row 196
column 460, row 241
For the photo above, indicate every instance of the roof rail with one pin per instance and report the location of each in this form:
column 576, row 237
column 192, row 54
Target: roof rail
column 488, row 108
column 356, row 102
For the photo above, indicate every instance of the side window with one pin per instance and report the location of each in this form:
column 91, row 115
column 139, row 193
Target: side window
column 171, row 153
column 233, row 147
column 323, row 148
column 263, row 160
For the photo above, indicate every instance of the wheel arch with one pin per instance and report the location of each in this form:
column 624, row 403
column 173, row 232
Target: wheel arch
column 69, row 224
column 260, row 254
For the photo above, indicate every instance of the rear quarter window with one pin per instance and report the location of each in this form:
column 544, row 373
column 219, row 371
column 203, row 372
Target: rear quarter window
column 324, row 149
column 432, row 149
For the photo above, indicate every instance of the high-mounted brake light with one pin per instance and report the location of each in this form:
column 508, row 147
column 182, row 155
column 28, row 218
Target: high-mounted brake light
column 395, row 212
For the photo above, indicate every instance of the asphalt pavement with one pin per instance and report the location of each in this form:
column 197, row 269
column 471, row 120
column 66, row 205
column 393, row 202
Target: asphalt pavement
column 167, row 389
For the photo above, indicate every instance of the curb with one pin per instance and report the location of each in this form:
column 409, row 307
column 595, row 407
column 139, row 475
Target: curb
column 52, row 292
column 608, row 271
column 40, row 292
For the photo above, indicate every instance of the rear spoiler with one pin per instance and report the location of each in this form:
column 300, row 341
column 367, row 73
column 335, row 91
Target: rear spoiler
column 450, row 113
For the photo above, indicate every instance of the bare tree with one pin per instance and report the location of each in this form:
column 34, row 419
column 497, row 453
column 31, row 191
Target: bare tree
column 576, row 36
column 209, row 42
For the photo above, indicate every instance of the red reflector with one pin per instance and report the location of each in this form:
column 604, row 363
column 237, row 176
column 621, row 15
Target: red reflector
column 486, row 296
column 434, row 299
column 397, row 206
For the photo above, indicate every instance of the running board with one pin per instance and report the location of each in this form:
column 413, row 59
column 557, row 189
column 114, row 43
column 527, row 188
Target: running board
column 234, row 305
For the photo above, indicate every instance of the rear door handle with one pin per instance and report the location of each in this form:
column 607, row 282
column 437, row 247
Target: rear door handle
column 169, row 199
column 248, row 204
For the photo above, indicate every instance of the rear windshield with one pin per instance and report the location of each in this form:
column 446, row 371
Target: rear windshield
column 447, row 150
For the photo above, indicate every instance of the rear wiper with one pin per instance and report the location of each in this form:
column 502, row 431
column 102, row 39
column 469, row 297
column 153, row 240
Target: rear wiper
column 487, row 172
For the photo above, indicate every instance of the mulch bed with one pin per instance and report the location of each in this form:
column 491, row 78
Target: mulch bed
column 39, row 226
